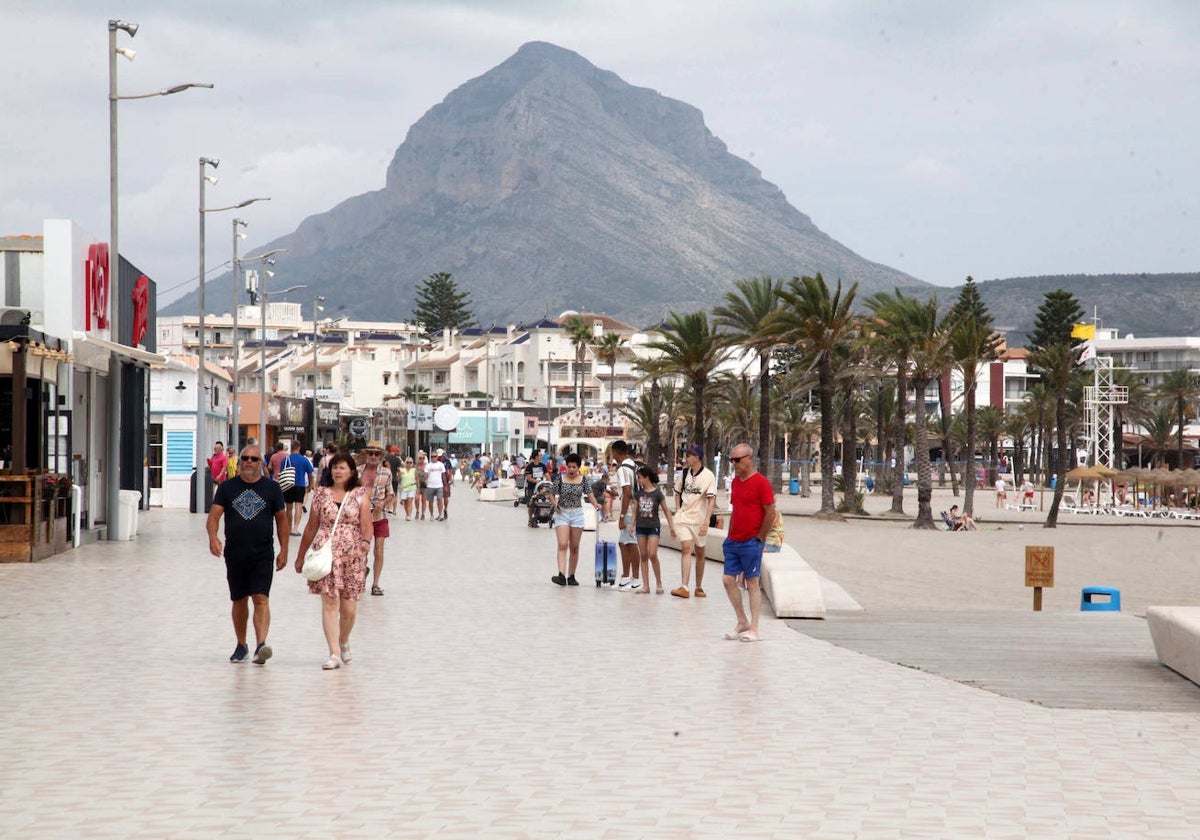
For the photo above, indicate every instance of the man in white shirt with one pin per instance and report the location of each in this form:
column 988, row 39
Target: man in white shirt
column 623, row 483
column 435, row 471
column 1001, row 492
column 695, row 497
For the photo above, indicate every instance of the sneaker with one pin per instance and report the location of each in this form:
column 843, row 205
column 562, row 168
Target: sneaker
column 636, row 583
column 700, row 593
column 239, row 653
column 262, row 653
column 681, row 592
column 571, row 581
column 559, row 579
column 623, row 583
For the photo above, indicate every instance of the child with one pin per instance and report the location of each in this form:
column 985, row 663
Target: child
column 649, row 501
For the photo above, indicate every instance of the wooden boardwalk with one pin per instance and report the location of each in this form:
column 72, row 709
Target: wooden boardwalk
column 1055, row 659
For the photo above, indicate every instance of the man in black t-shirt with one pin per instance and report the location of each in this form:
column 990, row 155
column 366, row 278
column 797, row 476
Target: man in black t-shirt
column 255, row 510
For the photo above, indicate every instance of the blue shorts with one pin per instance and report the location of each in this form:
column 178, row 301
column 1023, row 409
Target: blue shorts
column 572, row 517
column 647, row 532
column 625, row 537
column 743, row 558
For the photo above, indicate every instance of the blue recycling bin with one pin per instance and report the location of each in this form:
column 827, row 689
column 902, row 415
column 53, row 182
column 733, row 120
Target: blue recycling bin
column 1053, row 482
column 794, row 487
column 1110, row 599
column 870, row 483
column 907, row 480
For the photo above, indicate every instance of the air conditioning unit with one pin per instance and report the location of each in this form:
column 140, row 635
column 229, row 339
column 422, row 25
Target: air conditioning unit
column 19, row 316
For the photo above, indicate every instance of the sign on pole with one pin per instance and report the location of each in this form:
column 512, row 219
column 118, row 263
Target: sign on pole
column 1039, row 571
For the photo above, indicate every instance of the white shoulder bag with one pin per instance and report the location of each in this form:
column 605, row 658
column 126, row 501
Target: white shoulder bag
column 318, row 562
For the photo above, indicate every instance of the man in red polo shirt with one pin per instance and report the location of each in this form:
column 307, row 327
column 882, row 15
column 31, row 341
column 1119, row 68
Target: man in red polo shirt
column 753, row 503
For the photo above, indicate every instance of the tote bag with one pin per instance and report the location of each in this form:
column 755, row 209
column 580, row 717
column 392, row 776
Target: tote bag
column 318, row 562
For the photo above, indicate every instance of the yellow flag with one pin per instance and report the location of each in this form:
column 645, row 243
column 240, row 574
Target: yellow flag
column 1084, row 331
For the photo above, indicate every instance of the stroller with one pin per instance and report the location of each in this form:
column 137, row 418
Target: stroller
column 520, row 491
column 541, row 505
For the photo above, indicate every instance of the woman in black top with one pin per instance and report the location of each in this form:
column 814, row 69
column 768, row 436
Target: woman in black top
column 569, row 491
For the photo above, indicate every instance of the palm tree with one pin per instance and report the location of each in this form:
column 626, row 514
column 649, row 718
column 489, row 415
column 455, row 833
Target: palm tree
column 580, row 335
column 990, row 428
column 693, row 350
column 1056, row 363
column 608, row 350
column 972, row 345
column 930, row 356
column 1016, row 427
column 820, row 322
column 1179, row 387
column 1160, row 428
column 893, row 344
column 741, row 318
column 1135, row 410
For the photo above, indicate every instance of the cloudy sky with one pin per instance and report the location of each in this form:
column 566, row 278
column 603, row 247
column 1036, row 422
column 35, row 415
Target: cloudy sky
column 941, row 138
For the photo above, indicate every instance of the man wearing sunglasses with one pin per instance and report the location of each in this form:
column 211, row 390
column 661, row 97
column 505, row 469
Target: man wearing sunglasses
column 375, row 476
column 753, row 515
column 256, row 514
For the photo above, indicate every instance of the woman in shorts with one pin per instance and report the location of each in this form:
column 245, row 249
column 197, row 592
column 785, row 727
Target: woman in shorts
column 649, row 501
column 422, row 502
column 569, row 490
column 407, row 487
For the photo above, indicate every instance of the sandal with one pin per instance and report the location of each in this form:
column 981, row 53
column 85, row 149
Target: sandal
column 332, row 663
column 375, row 590
column 346, row 655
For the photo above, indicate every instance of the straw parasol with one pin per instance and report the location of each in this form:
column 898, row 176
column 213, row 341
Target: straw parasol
column 1084, row 474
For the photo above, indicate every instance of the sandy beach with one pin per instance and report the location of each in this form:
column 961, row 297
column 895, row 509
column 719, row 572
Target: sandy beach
column 885, row 564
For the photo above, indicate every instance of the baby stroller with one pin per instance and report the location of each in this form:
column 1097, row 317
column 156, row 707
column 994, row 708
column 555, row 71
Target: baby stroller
column 541, row 505
column 522, row 495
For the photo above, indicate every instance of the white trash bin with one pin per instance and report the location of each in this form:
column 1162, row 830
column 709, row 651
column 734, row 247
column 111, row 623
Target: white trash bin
column 127, row 514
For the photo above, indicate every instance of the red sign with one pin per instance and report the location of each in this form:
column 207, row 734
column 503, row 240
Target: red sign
column 95, row 285
column 141, row 309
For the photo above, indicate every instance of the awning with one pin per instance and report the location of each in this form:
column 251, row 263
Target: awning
column 82, row 343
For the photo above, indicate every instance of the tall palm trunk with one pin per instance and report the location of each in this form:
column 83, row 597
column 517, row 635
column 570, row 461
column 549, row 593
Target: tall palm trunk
column 924, row 469
column 766, row 462
column 947, row 455
column 825, row 395
column 700, row 433
column 969, row 473
column 1060, row 415
column 849, row 452
column 898, row 437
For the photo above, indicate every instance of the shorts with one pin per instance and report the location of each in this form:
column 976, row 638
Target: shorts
column 647, row 532
column 687, row 532
column 432, row 493
column 382, row 530
column 405, row 495
column 569, row 516
column 625, row 537
column 743, row 558
column 249, row 577
column 294, row 495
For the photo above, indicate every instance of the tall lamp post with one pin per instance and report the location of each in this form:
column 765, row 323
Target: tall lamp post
column 262, row 383
column 113, row 479
column 319, row 299
column 235, row 435
column 487, row 390
column 202, row 484
column 549, row 360
column 417, row 396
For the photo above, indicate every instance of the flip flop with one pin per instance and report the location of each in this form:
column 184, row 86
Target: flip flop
column 735, row 635
column 749, row 637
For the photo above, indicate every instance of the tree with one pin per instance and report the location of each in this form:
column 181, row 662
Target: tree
column 742, row 318
column 1056, row 364
column 930, row 341
column 1179, row 388
column 580, row 335
column 893, row 345
column 440, row 304
column 1135, row 410
column 608, row 350
column 1160, row 428
column 820, row 322
column 1057, row 315
column 972, row 345
column 692, row 349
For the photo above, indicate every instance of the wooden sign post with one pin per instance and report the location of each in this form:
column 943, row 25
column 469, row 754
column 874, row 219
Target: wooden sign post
column 1039, row 571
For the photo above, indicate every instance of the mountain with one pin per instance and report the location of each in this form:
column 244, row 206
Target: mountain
column 549, row 184
column 1145, row 305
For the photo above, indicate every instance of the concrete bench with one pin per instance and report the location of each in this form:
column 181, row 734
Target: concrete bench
column 1176, row 635
column 791, row 585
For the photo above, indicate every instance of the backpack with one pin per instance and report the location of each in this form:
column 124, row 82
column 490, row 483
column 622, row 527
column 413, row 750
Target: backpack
column 287, row 475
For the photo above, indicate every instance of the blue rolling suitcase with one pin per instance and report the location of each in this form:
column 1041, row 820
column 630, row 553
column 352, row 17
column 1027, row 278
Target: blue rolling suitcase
column 606, row 562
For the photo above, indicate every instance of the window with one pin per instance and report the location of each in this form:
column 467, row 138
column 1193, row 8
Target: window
column 156, row 456
column 387, row 375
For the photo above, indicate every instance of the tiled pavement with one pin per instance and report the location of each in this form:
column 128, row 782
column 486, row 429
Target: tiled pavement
column 484, row 701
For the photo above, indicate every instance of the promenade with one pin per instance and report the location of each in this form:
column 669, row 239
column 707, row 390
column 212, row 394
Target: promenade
column 483, row 701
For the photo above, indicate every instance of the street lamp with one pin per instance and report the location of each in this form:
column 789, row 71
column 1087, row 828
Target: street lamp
column 113, row 479
column 319, row 299
column 487, row 390
column 202, row 501
column 237, row 361
column 262, row 384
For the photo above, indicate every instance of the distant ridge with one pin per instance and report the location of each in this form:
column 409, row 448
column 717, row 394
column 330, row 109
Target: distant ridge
column 548, row 183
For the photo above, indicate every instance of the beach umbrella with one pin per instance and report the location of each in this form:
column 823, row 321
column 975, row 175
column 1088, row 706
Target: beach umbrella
column 1083, row 474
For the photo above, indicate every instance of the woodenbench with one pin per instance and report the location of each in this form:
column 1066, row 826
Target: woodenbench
column 1176, row 635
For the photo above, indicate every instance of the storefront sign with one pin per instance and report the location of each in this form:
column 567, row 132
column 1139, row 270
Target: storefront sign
column 141, row 309
column 358, row 426
column 95, row 287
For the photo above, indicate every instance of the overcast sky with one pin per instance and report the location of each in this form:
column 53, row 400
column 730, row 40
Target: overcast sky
column 940, row 138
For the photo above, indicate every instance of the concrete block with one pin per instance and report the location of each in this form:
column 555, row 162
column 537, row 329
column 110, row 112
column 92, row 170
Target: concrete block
column 1176, row 635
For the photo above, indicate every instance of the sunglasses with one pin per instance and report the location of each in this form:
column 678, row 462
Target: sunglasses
column 374, row 452
column 253, row 459
column 739, row 458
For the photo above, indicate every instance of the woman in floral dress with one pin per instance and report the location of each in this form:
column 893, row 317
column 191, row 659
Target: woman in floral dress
column 342, row 588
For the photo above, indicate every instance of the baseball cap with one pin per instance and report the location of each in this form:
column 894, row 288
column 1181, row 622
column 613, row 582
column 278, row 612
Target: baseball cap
column 441, row 452
column 695, row 449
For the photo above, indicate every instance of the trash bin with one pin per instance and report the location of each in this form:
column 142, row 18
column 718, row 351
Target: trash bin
column 127, row 512
column 794, row 487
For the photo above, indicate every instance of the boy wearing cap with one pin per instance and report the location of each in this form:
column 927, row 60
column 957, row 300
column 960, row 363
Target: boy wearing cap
column 695, row 497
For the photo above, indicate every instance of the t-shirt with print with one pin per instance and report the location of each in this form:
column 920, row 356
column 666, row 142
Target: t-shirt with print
column 748, row 497
column 648, row 503
column 250, row 508
column 695, row 491
column 433, row 474
column 626, row 477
